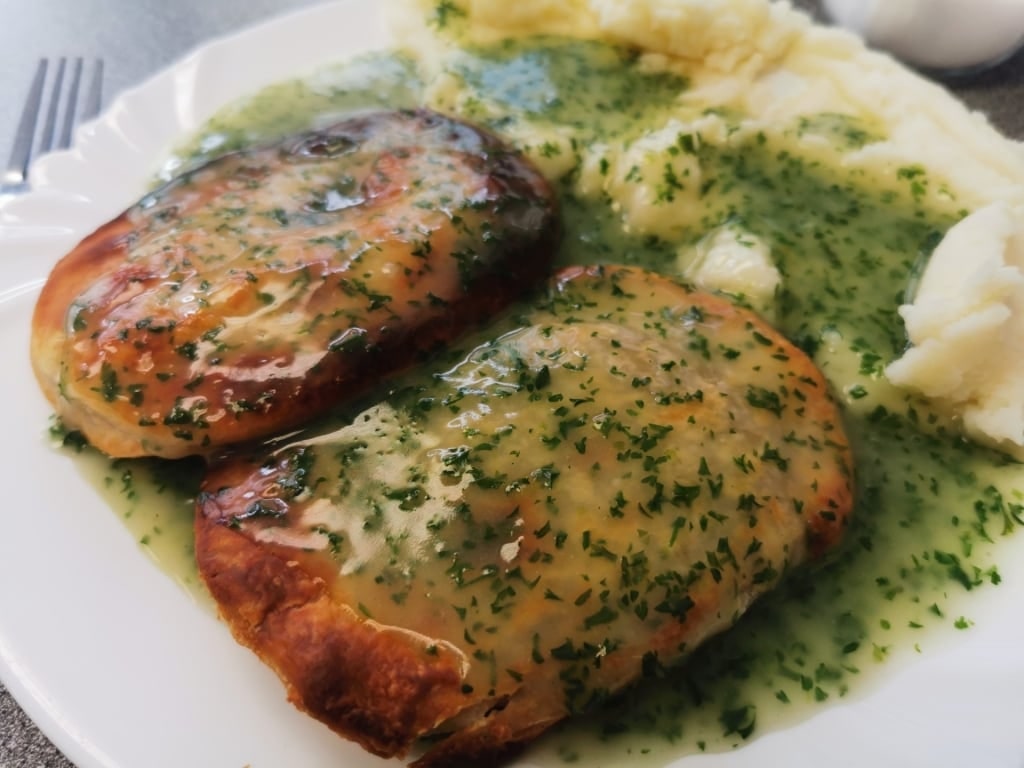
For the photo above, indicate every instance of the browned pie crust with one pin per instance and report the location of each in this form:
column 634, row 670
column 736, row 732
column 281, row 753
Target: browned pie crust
column 255, row 291
column 722, row 493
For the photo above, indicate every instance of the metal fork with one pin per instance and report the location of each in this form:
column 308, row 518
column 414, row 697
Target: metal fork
column 63, row 107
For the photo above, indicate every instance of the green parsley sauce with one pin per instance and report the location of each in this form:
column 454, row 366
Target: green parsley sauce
column 593, row 88
column 155, row 500
column 931, row 507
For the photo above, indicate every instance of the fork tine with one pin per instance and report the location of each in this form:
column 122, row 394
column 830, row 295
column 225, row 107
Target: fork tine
column 56, row 93
column 62, row 106
column 17, row 165
column 72, row 102
column 94, row 97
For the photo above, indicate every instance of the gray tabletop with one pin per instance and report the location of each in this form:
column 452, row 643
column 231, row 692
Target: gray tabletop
column 136, row 38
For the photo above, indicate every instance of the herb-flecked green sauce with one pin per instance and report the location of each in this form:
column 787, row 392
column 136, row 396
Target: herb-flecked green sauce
column 930, row 506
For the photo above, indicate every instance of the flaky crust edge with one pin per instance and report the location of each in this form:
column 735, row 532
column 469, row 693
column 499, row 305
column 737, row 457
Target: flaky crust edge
column 378, row 686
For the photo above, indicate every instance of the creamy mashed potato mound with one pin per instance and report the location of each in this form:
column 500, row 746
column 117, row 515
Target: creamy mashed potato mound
column 967, row 326
column 755, row 68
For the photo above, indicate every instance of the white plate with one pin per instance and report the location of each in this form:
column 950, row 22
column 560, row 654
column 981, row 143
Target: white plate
column 121, row 669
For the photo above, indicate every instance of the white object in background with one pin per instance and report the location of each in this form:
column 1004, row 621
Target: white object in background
column 936, row 34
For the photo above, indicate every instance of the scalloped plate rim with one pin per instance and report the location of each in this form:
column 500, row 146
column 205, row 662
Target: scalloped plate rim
column 89, row 704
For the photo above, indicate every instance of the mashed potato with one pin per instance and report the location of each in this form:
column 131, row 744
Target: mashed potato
column 734, row 261
column 967, row 326
column 654, row 180
column 755, row 68
column 770, row 64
